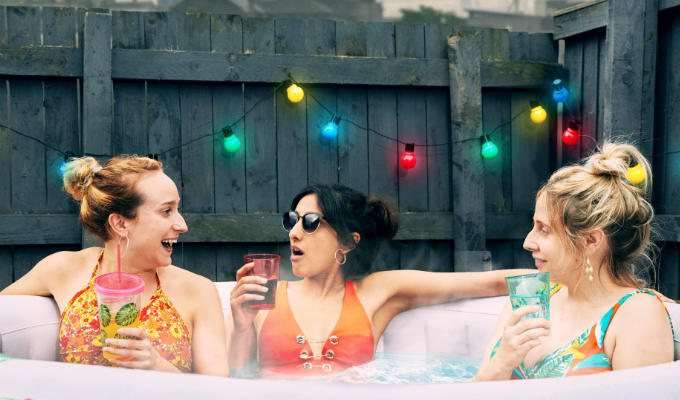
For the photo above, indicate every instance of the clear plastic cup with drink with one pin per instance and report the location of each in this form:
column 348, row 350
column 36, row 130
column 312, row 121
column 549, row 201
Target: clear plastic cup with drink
column 530, row 290
column 266, row 266
column 118, row 298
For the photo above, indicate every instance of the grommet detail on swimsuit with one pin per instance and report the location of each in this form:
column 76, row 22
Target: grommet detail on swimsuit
column 333, row 339
column 330, row 354
column 304, row 354
column 307, row 365
column 326, row 367
column 299, row 339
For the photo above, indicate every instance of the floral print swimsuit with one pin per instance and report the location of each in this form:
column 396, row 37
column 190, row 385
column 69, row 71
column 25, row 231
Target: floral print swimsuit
column 584, row 355
column 80, row 339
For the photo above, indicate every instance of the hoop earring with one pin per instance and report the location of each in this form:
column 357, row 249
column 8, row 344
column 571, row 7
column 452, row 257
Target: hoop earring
column 589, row 269
column 127, row 245
column 344, row 257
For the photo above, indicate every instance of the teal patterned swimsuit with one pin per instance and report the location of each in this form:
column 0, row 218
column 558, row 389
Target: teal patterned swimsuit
column 584, row 355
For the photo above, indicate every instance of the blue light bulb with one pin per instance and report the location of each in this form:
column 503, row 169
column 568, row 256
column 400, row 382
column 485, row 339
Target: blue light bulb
column 62, row 168
column 560, row 93
column 330, row 130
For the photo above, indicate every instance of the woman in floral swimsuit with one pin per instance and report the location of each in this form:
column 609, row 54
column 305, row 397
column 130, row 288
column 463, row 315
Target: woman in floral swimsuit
column 131, row 204
column 591, row 232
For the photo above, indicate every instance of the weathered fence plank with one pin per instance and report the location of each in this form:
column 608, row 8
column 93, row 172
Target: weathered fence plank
column 159, row 30
column 6, row 271
column 351, row 39
column 379, row 39
column 164, row 132
column 289, row 34
column 226, row 33
column 666, row 4
column 61, row 131
column 320, row 37
column 129, row 134
column 59, row 26
column 97, row 84
column 193, row 31
column 630, row 55
column 127, row 30
column 498, row 170
column 467, row 181
column 260, row 134
column 258, row 35
column 574, row 62
column 669, row 278
column 530, row 147
column 353, row 140
column 197, row 157
column 322, row 154
column 3, row 28
column 590, row 131
column 581, row 18
column 23, row 26
column 5, row 150
column 27, row 157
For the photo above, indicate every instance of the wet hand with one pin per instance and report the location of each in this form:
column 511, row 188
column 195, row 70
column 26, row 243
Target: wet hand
column 137, row 346
column 520, row 337
column 245, row 291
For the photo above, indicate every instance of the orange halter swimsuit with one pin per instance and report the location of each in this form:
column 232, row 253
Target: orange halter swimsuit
column 283, row 349
column 80, row 340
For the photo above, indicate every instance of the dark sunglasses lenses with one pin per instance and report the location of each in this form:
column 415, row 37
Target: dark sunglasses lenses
column 310, row 222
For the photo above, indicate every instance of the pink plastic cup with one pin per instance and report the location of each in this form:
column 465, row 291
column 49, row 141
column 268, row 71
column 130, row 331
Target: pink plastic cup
column 266, row 266
column 118, row 297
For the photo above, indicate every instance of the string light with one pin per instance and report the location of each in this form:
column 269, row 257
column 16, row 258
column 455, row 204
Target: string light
column 330, row 130
column 538, row 113
column 408, row 160
column 231, row 142
column 560, row 93
column 489, row 148
column 570, row 135
column 295, row 93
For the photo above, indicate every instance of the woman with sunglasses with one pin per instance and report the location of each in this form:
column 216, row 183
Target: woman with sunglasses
column 327, row 322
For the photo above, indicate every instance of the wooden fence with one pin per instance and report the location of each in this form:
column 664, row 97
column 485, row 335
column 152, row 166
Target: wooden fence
column 622, row 58
column 104, row 83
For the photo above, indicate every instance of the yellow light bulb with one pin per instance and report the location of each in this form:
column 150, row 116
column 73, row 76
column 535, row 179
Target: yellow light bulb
column 295, row 93
column 538, row 114
column 636, row 174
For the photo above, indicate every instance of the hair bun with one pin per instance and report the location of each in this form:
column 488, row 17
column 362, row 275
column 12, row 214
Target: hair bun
column 78, row 175
column 386, row 220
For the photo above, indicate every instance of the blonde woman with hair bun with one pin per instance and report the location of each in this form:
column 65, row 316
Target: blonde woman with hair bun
column 130, row 203
column 591, row 231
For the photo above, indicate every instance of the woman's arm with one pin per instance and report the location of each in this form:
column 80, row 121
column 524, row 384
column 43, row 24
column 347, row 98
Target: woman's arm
column 406, row 289
column 37, row 280
column 641, row 334
column 208, row 337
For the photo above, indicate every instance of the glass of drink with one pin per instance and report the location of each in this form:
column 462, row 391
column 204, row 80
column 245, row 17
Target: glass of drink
column 266, row 266
column 118, row 297
column 530, row 290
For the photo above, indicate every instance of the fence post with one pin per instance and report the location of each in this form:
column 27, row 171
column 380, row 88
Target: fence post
column 97, row 90
column 630, row 72
column 467, row 170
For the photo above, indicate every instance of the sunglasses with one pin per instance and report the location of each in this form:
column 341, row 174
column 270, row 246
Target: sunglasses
column 310, row 221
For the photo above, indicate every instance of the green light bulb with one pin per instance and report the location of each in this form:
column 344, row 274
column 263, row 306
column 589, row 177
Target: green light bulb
column 232, row 144
column 489, row 149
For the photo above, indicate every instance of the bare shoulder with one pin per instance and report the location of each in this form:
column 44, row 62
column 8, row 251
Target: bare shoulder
column 641, row 311
column 68, row 261
column 179, row 279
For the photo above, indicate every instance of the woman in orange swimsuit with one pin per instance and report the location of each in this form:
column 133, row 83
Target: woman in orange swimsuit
column 591, row 232
column 326, row 321
column 131, row 203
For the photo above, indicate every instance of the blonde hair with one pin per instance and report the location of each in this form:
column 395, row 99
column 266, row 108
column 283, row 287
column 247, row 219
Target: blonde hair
column 598, row 195
column 105, row 190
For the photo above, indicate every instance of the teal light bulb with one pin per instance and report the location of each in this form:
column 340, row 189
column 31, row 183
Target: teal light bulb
column 231, row 143
column 489, row 149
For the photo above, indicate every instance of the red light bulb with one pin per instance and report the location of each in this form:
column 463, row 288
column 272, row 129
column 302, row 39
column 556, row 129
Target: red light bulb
column 570, row 135
column 408, row 160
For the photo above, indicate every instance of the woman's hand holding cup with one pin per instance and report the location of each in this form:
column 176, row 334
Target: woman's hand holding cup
column 242, row 294
column 520, row 336
column 137, row 346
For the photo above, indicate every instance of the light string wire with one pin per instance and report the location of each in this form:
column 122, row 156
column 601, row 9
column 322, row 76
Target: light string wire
column 332, row 114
